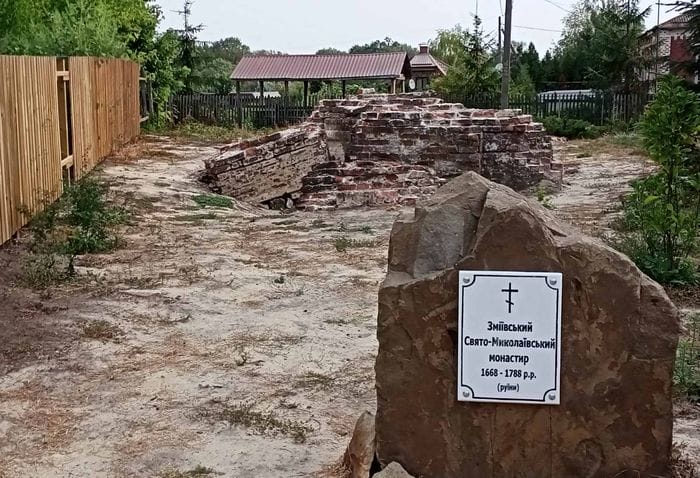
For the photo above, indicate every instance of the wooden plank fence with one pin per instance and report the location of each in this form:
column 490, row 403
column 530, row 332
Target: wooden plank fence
column 58, row 119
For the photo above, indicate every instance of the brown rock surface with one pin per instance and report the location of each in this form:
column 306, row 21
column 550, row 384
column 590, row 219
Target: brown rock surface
column 619, row 333
column 360, row 452
column 393, row 470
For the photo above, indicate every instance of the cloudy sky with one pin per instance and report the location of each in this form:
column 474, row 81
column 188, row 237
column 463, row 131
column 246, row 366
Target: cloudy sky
column 304, row 26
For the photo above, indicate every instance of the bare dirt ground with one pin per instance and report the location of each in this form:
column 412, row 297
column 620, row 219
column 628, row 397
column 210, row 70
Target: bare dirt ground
column 241, row 340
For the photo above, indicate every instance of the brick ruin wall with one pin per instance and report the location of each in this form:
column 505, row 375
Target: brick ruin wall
column 269, row 167
column 384, row 149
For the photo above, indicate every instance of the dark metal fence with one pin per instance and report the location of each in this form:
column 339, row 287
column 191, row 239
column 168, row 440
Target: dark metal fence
column 232, row 109
column 598, row 108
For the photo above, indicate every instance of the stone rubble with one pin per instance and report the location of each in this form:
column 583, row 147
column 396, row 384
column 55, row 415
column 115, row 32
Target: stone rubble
column 384, row 149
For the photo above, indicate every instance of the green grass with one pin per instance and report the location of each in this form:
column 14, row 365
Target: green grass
column 194, row 130
column 625, row 140
column 213, row 200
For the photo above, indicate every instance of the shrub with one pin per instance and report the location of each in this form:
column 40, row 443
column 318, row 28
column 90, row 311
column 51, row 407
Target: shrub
column 571, row 128
column 80, row 222
column 662, row 214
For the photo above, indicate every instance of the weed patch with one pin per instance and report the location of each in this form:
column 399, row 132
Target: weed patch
column 686, row 375
column 40, row 271
column 319, row 224
column 681, row 465
column 101, row 330
column 195, row 218
column 315, row 380
column 213, row 200
column 265, row 423
column 544, row 198
column 197, row 472
column 342, row 244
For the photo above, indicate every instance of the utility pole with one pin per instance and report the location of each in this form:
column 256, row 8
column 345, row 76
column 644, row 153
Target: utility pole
column 505, row 87
column 500, row 44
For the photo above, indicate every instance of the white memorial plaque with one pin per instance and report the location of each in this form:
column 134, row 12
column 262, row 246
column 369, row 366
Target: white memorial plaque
column 510, row 337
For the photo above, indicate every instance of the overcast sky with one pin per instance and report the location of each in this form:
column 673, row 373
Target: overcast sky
column 304, row 26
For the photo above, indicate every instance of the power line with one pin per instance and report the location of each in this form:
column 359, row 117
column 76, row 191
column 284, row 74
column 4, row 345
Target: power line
column 558, row 6
column 500, row 4
column 536, row 28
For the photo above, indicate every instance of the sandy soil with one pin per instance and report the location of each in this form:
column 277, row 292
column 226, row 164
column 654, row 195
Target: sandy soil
column 237, row 339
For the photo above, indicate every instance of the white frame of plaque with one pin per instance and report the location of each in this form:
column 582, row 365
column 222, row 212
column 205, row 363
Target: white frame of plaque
column 553, row 281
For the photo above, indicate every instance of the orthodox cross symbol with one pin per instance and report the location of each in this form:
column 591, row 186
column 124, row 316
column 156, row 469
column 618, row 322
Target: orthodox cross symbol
column 510, row 292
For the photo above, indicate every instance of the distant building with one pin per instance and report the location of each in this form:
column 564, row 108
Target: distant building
column 666, row 50
column 425, row 67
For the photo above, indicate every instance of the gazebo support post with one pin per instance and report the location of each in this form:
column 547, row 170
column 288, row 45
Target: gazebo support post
column 239, row 106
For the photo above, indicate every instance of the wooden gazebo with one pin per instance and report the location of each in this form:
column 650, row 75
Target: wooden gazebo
column 392, row 67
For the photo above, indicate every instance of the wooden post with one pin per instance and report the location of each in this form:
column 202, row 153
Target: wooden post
column 393, row 86
column 262, row 90
column 344, row 87
column 239, row 106
column 286, row 88
column 306, row 93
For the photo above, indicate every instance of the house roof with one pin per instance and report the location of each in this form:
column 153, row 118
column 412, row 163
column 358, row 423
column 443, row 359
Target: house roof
column 426, row 60
column 322, row 67
column 677, row 22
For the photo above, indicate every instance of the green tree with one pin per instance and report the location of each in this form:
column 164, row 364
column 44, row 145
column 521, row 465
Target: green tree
column 471, row 69
column 231, row 49
column 527, row 59
column 523, row 84
column 384, row 46
column 599, row 46
column 331, row 51
column 112, row 28
column 213, row 76
column 161, row 67
column 663, row 211
column 79, row 27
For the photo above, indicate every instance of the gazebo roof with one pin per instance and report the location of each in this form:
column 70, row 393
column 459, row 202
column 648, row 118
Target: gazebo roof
column 322, row 67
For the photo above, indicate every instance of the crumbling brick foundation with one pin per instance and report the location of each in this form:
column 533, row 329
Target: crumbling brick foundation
column 385, row 149
column 268, row 167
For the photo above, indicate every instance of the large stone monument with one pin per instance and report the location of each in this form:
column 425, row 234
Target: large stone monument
column 619, row 333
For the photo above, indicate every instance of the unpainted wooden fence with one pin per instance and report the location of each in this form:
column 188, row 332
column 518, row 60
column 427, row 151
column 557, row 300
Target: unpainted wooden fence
column 598, row 108
column 233, row 110
column 59, row 117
